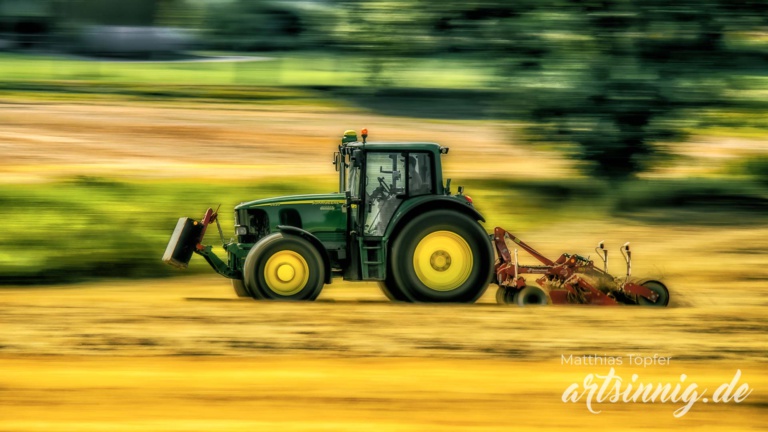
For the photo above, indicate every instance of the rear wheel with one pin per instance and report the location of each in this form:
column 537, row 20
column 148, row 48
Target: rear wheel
column 660, row 289
column 392, row 291
column 442, row 256
column 531, row 295
column 284, row 267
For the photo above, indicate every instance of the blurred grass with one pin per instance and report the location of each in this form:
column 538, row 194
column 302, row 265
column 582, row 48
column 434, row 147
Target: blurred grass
column 86, row 227
column 533, row 204
column 304, row 69
column 450, row 86
column 438, row 87
column 757, row 167
column 89, row 227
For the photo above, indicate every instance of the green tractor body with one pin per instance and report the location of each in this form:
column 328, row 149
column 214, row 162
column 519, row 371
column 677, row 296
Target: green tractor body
column 393, row 221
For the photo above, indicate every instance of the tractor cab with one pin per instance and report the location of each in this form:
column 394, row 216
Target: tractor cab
column 378, row 177
column 385, row 184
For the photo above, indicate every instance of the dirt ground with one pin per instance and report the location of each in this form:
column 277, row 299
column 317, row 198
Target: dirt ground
column 185, row 354
column 186, row 141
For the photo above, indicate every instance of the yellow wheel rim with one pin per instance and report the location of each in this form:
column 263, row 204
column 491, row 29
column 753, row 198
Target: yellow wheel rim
column 286, row 272
column 442, row 260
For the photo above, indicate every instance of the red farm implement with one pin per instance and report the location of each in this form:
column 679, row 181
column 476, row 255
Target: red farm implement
column 571, row 279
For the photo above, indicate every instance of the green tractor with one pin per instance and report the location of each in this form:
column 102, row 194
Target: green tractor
column 393, row 221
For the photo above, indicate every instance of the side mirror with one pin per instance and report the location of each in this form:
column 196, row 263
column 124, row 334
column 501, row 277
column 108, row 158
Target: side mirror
column 336, row 160
column 357, row 157
column 448, row 187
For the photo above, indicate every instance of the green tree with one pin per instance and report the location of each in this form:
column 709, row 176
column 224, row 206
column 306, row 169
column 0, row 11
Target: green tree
column 257, row 25
column 616, row 79
column 385, row 32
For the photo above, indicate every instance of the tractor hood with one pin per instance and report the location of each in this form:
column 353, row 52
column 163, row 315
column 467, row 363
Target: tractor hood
column 314, row 199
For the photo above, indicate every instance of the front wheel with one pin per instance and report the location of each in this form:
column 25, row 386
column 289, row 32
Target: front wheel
column 284, row 267
column 442, row 256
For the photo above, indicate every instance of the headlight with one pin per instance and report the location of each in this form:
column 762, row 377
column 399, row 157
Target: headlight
column 241, row 230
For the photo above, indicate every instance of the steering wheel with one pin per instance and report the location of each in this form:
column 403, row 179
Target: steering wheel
column 384, row 186
column 382, row 192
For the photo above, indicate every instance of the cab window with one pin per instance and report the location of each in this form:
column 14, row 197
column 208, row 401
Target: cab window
column 419, row 174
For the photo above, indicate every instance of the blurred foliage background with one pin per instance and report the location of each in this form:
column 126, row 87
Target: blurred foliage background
column 613, row 86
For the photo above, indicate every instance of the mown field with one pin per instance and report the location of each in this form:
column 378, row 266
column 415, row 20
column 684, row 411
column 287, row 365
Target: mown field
column 185, row 354
column 91, row 190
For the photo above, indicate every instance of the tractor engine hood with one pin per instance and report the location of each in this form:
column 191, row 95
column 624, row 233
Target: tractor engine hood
column 313, row 199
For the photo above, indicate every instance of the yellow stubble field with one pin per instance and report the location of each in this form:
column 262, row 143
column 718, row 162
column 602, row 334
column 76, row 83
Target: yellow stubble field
column 186, row 354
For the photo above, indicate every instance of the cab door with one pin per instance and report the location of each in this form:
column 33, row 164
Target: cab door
column 376, row 187
column 385, row 189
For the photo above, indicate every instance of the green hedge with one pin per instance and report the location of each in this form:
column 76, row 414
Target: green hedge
column 85, row 228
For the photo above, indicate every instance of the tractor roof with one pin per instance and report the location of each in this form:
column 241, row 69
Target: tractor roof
column 397, row 146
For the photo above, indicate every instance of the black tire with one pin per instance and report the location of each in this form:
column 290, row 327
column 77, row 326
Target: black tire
column 284, row 247
column 501, row 295
column 476, row 248
column 240, row 290
column 660, row 289
column 531, row 295
column 505, row 295
column 392, row 291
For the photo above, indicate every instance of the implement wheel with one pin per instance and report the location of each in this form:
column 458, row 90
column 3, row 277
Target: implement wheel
column 531, row 295
column 660, row 289
column 442, row 256
column 505, row 295
column 284, row 267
